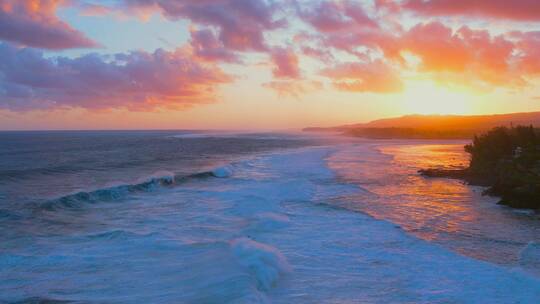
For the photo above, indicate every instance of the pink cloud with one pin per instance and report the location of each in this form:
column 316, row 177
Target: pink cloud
column 322, row 54
column 519, row 10
column 311, row 45
column 241, row 23
column 293, row 88
column 375, row 77
column 344, row 25
column 357, row 43
column 332, row 16
column 136, row 80
column 34, row 23
column 285, row 63
column 209, row 48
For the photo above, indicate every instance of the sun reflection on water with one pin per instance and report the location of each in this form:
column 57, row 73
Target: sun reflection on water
column 446, row 211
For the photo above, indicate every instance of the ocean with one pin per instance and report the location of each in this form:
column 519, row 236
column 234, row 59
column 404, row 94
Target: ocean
column 215, row 217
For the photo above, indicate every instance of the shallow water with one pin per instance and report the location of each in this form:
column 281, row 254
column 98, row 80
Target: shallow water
column 444, row 211
column 272, row 225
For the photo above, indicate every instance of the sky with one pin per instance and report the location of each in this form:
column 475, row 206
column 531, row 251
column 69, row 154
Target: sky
column 262, row 64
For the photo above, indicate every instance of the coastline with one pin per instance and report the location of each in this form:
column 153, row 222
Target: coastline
column 446, row 212
column 507, row 197
column 503, row 159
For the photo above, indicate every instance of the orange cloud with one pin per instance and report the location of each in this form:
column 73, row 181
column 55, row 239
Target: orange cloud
column 374, row 77
column 472, row 53
column 528, row 52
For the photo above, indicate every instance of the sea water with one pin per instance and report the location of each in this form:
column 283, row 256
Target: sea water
column 206, row 217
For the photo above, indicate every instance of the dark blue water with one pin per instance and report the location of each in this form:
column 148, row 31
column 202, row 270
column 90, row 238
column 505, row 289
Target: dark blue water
column 40, row 166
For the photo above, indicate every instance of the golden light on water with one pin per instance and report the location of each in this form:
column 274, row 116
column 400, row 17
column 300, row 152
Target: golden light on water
column 403, row 196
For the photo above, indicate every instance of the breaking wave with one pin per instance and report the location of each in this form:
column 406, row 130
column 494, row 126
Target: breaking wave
column 264, row 262
column 117, row 192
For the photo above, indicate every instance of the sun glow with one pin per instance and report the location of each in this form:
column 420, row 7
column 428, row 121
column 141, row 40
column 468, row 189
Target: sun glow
column 428, row 97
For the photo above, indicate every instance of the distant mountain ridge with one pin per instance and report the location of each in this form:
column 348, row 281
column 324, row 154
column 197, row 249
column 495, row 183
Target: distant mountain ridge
column 434, row 126
column 446, row 122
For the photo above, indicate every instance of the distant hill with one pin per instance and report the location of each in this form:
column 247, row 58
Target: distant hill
column 434, row 126
column 453, row 122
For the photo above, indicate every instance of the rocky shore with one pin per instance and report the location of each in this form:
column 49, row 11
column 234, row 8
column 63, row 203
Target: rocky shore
column 507, row 162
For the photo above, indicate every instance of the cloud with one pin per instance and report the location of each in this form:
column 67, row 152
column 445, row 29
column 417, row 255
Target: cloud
column 222, row 30
column 528, row 52
column 322, row 54
column 208, row 47
column 333, row 16
column 92, row 9
column 465, row 55
column 293, row 88
column 475, row 53
column 374, row 77
column 518, row 10
column 34, row 23
column 462, row 55
column 443, row 49
column 241, row 23
column 136, row 80
column 311, row 45
column 285, row 63
column 345, row 26
column 287, row 81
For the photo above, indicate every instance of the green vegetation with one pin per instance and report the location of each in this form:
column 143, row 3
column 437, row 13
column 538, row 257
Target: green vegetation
column 507, row 160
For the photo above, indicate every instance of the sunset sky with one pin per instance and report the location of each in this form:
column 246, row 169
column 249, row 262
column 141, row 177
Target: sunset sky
column 262, row 64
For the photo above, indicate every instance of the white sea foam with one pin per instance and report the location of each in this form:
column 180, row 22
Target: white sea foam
column 265, row 262
column 277, row 238
column 269, row 221
column 159, row 176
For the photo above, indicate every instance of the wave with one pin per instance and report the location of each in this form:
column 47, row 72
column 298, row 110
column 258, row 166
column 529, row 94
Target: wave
column 9, row 215
column 118, row 234
column 113, row 193
column 264, row 262
column 39, row 300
